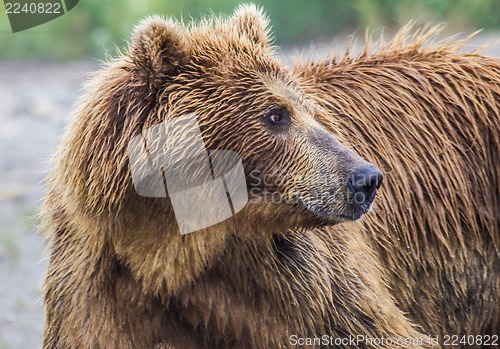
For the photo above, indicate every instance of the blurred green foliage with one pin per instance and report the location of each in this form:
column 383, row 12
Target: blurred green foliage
column 96, row 27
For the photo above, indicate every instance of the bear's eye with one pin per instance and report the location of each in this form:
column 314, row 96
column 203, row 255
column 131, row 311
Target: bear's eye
column 277, row 117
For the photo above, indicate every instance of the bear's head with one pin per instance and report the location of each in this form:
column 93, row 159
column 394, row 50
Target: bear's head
column 241, row 99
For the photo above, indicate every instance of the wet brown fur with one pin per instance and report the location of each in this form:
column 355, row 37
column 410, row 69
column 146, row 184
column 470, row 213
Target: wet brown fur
column 429, row 116
column 121, row 275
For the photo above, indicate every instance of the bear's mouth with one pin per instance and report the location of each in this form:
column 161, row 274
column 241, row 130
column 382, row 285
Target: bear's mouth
column 332, row 215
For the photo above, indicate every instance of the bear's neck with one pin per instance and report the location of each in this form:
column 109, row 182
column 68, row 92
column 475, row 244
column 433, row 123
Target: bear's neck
column 305, row 283
column 215, row 288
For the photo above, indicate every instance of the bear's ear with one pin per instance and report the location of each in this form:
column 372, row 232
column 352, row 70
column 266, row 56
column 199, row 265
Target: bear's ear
column 250, row 21
column 158, row 47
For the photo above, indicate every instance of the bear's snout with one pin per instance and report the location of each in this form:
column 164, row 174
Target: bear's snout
column 364, row 182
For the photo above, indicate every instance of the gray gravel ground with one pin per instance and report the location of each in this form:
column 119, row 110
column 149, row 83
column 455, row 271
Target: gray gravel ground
column 36, row 102
column 35, row 107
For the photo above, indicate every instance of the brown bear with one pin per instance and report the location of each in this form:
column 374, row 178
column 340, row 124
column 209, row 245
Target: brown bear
column 276, row 275
column 430, row 117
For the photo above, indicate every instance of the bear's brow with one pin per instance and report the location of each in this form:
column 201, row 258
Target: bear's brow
column 291, row 92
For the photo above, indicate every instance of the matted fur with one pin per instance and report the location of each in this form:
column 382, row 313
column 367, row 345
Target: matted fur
column 429, row 116
column 121, row 275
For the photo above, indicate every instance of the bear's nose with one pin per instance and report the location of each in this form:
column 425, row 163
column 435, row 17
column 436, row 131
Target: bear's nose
column 365, row 180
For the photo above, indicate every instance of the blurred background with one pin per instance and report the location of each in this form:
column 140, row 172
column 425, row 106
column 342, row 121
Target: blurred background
column 43, row 69
column 96, row 26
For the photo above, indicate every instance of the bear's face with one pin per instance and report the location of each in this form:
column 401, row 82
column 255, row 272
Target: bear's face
column 246, row 102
